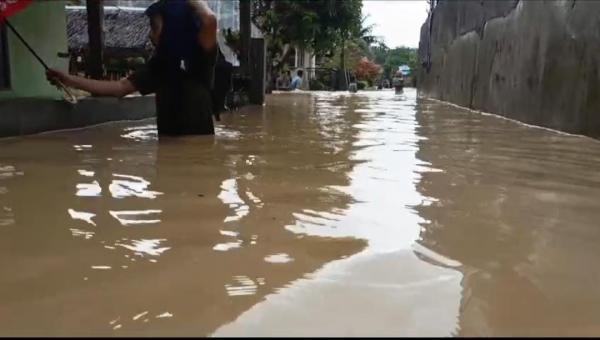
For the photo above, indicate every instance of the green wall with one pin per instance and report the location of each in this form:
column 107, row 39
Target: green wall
column 43, row 25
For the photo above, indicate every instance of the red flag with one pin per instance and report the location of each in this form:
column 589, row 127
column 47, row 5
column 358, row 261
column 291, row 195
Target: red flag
column 12, row 7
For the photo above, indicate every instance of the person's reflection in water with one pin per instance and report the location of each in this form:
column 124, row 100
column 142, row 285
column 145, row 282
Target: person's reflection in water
column 224, row 206
column 187, row 233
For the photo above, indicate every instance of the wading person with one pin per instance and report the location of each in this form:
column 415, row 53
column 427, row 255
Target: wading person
column 181, row 71
column 297, row 81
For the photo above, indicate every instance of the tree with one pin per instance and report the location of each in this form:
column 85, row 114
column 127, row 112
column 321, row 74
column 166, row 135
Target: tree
column 321, row 25
column 366, row 32
column 354, row 50
column 399, row 56
column 367, row 70
column 380, row 52
column 345, row 22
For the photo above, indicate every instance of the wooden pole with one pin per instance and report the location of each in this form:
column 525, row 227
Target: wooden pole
column 95, row 17
column 245, row 36
column 258, row 51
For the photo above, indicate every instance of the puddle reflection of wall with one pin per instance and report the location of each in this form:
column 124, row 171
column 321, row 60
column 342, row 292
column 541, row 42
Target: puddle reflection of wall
column 495, row 209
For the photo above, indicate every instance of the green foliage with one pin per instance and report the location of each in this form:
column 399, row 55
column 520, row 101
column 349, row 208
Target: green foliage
column 380, row 53
column 316, row 85
column 354, row 51
column 324, row 77
column 391, row 59
column 321, row 25
column 361, row 85
column 233, row 40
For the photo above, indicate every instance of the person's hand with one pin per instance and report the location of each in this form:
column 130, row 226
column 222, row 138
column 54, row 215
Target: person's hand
column 55, row 77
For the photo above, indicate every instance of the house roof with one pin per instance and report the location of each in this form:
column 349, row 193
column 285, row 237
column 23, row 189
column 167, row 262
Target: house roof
column 125, row 28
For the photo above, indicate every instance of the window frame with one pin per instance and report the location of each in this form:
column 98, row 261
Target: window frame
column 5, row 74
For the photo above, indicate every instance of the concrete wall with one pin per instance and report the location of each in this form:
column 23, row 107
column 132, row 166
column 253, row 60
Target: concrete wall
column 43, row 25
column 534, row 61
column 34, row 115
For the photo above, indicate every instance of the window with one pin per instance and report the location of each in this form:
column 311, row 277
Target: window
column 4, row 65
column 302, row 64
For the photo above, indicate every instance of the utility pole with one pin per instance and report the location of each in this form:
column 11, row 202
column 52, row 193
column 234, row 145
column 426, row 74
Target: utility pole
column 245, row 36
column 95, row 17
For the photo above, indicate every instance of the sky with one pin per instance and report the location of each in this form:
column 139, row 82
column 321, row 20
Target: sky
column 398, row 22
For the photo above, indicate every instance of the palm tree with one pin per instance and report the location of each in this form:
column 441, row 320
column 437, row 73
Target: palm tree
column 366, row 31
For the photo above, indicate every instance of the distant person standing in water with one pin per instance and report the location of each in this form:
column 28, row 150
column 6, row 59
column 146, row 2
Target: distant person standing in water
column 283, row 81
column 181, row 71
column 297, row 81
column 398, row 82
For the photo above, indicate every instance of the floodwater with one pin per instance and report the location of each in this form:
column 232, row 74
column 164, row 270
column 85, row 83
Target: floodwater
column 318, row 214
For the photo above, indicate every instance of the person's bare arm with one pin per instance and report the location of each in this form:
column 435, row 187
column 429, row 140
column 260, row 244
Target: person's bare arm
column 119, row 88
column 207, row 37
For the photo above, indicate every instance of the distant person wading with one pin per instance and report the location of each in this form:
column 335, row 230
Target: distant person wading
column 297, row 81
column 181, row 71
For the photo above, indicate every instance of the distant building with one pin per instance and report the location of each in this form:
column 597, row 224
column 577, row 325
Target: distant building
column 28, row 102
column 129, row 3
column 301, row 59
column 405, row 70
column 126, row 42
column 126, row 29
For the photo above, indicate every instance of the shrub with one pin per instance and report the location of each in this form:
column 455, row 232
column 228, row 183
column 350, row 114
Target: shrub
column 362, row 85
column 316, row 85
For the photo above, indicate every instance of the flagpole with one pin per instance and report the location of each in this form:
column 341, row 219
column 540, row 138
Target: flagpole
column 71, row 98
column 25, row 43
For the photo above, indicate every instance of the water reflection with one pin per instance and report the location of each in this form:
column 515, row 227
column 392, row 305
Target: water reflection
column 8, row 173
column 517, row 207
column 147, row 221
column 81, row 233
column 148, row 247
column 242, row 285
column 89, row 189
column 131, row 186
column 318, row 214
column 135, row 217
column 401, row 285
column 83, row 216
column 229, row 195
column 279, row 258
column 141, row 133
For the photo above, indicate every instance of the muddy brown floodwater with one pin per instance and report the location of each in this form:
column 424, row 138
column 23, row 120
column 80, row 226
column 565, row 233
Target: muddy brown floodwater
column 318, row 214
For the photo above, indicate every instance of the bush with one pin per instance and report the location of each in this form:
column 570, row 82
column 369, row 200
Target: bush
column 316, row 85
column 362, row 85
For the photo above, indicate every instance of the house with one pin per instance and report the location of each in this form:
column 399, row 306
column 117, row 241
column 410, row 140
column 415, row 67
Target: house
column 42, row 25
column 305, row 59
column 228, row 16
column 126, row 42
column 126, row 30
column 299, row 58
column 405, row 70
column 28, row 103
column 407, row 73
